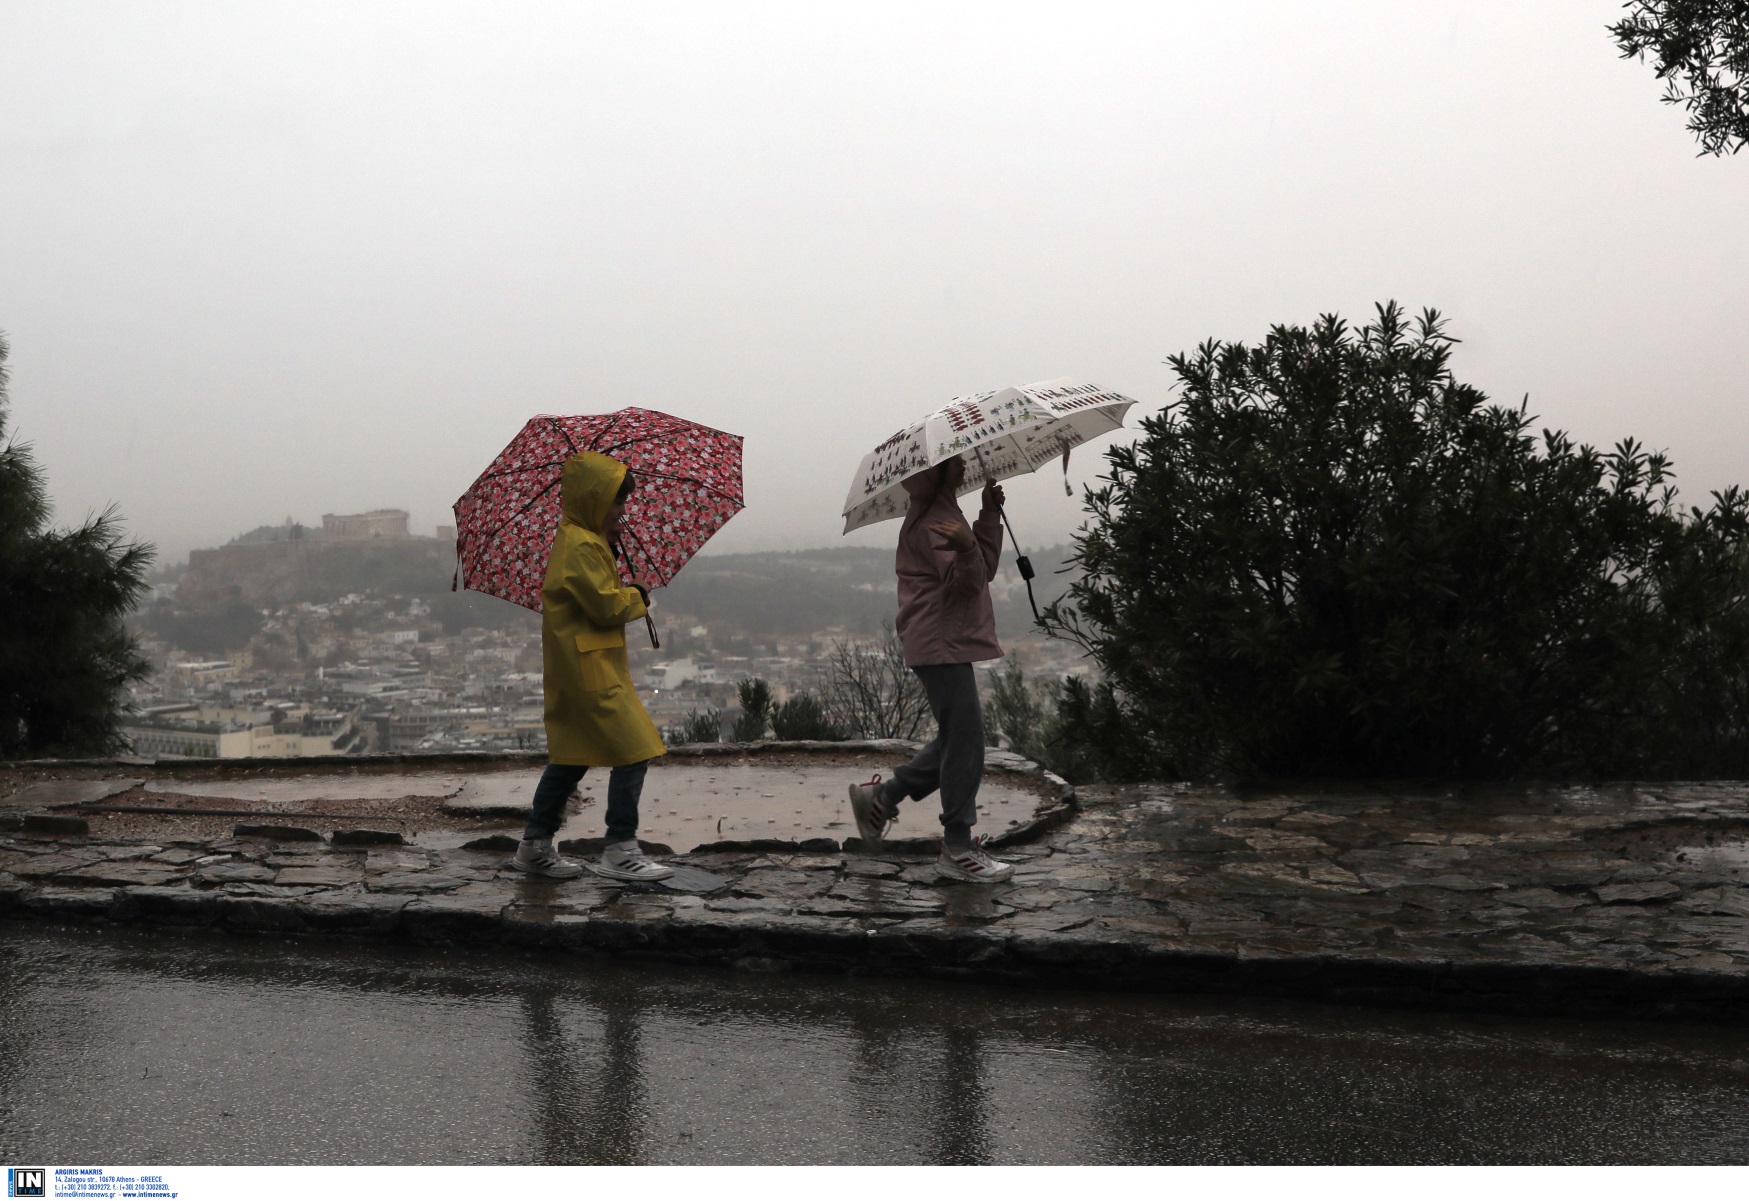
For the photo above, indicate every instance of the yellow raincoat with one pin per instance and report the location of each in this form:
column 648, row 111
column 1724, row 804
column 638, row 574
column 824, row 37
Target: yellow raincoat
column 593, row 714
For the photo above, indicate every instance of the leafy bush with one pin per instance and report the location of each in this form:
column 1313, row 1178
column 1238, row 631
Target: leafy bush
column 1021, row 714
column 698, row 727
column 1330, row 558
column 66, row 656
column 755, row 697
column 804, row 718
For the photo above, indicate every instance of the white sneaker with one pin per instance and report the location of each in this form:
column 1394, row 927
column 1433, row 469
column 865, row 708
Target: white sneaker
column 627, row 861
column 972, row 863
column 870, row 811
column 537, row 857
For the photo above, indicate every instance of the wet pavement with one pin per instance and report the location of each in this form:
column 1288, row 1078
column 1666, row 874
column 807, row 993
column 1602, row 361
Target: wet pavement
column 1623, row 900
column 136, row 1047
column 689, row 799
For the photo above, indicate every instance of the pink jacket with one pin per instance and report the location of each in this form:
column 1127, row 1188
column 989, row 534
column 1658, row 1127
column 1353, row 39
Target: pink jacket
column 944, row 594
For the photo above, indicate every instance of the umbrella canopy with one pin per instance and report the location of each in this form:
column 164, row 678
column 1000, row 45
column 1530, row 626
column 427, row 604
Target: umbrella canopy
column 1000, row 434
column 688, row 485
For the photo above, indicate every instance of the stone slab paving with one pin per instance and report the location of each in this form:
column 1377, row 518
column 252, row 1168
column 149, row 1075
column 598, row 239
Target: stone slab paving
column 60, row 794
column 1627, row 899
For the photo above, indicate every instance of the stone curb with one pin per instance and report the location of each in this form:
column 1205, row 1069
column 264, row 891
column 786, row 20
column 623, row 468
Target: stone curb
column 917, row 947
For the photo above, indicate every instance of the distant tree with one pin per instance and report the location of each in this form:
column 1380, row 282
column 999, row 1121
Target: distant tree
column 1701, row 51
column 804, row 718
column 215, row 631
column 755, row 697
column 1331, row 558
column 870, row 693
column 1020, row 713
column 66, row 656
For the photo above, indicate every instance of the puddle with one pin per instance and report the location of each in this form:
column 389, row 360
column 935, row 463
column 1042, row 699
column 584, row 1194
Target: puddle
column 685, row 803
column 684, row 806
column 294, row 790
column 496, row 794
column 1724, row 861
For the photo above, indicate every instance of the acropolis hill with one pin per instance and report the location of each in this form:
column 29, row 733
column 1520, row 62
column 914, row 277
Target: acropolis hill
column 280, row 565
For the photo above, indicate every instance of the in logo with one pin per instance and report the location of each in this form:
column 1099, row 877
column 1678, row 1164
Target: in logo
column 26, row 1182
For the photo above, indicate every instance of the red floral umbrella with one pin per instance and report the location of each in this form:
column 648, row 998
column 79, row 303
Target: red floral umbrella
column 689, row 484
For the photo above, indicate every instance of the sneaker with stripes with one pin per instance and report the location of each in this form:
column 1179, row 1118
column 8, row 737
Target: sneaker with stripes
column 873, row 815
column 537, row 857
column 627, row 861
column 972, row 863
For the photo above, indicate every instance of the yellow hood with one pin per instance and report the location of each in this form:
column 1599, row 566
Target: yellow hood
column 587, row 488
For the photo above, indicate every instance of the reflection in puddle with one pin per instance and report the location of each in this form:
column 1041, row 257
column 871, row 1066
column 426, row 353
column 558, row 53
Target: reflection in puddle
column 684, row 804
column 291, row 790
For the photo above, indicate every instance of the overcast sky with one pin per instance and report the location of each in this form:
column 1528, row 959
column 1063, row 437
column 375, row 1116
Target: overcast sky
column 262, row 260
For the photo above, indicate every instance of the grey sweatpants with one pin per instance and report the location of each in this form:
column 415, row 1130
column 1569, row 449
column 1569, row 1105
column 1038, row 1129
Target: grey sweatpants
column 953, row 761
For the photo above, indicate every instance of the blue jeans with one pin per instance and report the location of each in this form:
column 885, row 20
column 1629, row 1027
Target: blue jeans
column 624, row 786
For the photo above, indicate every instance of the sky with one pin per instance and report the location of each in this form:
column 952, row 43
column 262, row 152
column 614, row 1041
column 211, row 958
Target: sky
column 278, row 260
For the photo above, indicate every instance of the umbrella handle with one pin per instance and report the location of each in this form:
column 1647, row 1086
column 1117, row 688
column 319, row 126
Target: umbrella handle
column 649, row 622
column 1022, row 564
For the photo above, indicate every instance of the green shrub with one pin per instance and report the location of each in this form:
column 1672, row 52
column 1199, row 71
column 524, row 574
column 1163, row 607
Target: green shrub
column 1330, row 558
column 804, row 718
column 66, row 655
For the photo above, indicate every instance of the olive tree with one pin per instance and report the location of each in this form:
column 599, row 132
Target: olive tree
column 1329, row 557
column 1700, row 49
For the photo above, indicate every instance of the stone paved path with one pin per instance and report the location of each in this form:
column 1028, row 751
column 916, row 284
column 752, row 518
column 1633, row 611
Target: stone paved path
column 1620, row 900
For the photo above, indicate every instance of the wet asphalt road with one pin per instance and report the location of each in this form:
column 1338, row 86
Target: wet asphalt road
column 122, row 1047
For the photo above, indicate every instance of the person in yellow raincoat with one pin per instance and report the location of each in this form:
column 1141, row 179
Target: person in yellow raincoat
column 593, row 715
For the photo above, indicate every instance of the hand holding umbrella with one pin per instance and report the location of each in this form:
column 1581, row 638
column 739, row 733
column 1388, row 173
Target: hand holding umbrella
column 959, row 535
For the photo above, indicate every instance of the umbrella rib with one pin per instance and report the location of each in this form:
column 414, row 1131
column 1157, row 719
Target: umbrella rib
column 634, row 441
column 687, row 479
column 638, row 544
column 613, row 420
column 554, row 422
column 508, row 471
column 488, row 535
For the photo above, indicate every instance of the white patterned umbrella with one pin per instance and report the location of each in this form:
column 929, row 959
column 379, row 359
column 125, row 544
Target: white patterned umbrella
column 1000, row 434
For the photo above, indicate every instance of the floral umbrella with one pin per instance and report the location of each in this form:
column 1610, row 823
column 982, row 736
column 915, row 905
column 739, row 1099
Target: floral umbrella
column 689, row 484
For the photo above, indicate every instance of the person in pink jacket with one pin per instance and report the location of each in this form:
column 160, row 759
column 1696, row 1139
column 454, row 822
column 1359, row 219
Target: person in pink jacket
column 946, row 624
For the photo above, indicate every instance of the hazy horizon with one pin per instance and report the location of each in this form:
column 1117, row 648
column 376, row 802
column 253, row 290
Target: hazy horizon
column 277, row 260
